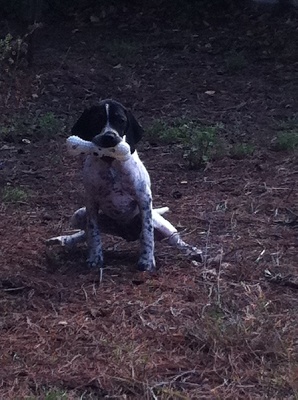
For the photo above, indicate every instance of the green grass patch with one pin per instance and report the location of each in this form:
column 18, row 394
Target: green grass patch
column 14, row 195
column 48, row 125
column 56, row 395
column 162, row 132
column 42, row 126
column 286, row 141
column 52, row 394
column 200, row 144
column 13, row 53
column 242, row 150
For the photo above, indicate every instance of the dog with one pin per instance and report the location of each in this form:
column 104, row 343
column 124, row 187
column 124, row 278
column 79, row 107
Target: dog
column 118, row 193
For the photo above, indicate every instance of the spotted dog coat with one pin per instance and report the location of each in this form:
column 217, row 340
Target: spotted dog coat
column 118, row 193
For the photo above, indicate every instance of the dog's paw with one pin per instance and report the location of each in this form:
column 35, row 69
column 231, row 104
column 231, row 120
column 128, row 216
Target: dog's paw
column 194, row 254
column 187, row 250
column 146, row 263
column 58, row 240
column 95, row 260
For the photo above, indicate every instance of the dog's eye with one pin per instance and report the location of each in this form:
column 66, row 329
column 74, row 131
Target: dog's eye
column 121, row 118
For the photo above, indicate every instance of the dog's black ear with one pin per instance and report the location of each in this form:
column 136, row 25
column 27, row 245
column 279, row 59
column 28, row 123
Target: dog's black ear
column 88, row 125
column 134, row 131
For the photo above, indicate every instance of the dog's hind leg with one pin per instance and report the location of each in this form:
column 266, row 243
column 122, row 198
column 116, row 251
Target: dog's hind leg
column 167, row 231
column 68, row 240
column 107, row 225
column 78, row 221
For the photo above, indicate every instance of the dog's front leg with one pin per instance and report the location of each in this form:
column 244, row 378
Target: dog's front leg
column 95, row 258
column 146, row 260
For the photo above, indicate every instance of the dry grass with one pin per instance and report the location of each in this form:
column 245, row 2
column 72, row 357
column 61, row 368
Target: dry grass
column 220, row 330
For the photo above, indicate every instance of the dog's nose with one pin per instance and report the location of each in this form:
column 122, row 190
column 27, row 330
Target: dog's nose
column 108, row 139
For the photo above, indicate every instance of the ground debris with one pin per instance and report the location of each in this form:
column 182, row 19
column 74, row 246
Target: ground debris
column 282, row 280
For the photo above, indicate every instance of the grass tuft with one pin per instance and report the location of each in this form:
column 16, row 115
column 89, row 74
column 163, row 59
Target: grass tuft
column 14, row 195
column 42, row 126
column 240, row 151
column 56, row 395
column 200, row 144
column 286, row 141
column 48, row 125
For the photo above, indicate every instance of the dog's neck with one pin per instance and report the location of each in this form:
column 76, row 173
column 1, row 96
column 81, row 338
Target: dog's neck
column 107, row 159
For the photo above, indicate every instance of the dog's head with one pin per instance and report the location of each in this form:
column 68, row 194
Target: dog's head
column 105, row 125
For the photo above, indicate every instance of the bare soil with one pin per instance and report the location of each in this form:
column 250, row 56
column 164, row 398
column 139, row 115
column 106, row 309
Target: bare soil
column 221, row 330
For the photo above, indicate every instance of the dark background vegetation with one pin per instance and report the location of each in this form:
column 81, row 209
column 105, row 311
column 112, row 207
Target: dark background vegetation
column 22, row 8
column 191, row 10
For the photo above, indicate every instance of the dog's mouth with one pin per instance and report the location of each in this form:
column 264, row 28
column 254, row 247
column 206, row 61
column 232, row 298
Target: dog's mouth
column 107, row 140
column 120, row 151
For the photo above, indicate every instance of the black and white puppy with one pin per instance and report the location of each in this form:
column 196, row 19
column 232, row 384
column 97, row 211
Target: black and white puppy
column 118, row 193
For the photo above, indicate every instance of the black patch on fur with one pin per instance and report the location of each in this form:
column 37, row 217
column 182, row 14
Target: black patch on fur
column 134, row 131
column 94, row 119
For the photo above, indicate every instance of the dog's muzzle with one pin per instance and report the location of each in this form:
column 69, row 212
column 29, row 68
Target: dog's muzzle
column 107, row 139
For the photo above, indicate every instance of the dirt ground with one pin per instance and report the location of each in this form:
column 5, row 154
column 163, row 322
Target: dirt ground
column 222, row 330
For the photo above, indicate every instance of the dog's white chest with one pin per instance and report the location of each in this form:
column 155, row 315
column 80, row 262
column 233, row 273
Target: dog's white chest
column 114, row 186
